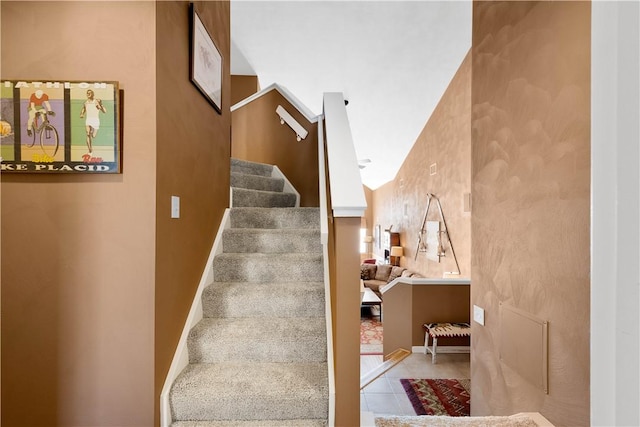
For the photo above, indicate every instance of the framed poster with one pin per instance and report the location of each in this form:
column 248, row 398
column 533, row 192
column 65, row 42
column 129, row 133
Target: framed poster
column 59, row 127
column 206, row 62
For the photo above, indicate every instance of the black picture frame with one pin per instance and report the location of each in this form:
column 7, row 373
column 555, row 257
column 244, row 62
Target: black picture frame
column 206, row 63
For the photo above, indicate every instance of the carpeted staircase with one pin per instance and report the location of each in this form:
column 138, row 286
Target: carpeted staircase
column 258, row 358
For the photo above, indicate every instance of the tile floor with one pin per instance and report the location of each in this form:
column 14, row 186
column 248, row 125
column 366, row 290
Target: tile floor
column 385, row 395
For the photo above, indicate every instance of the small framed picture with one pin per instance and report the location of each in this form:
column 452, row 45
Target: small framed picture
column 206, row 62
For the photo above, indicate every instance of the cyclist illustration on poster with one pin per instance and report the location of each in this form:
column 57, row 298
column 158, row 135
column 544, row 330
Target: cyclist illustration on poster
column 42, row 136
column 61, row 127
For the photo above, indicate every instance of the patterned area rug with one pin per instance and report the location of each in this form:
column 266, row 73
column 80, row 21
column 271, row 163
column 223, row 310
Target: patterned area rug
column 370, row 336
column 439, row 396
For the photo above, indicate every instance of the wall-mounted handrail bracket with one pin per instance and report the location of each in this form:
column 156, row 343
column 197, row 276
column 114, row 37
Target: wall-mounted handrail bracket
column 285, row 117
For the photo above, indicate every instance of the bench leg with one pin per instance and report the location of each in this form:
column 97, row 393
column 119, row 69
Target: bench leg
column 433, row 352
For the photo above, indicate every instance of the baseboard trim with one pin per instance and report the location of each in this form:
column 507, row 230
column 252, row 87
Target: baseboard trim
column 181, row 356
column 288, row 187
column 444, row 349
column 391, row 360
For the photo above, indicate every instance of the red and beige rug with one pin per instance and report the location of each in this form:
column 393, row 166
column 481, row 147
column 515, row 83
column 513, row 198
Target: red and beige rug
column 439, row 396
column 370, row 336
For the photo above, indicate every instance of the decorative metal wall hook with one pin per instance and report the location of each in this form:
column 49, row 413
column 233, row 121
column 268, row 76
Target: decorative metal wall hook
column 423, row 245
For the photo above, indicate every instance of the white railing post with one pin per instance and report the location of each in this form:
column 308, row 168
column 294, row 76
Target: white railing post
column 347, row 193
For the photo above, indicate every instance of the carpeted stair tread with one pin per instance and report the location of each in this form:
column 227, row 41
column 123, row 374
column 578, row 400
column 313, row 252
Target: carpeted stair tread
column 250, row 168
column 249, row 390
column 247, row 240
column 252, row 423
column 243, row 197
column 255, row 182
column 252, row 217
column 258, row 267
column 258, row 357
column 276, row 299
column 258, row 339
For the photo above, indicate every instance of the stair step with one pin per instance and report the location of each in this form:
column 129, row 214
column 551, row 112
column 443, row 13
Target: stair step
column 251, row 217
column 280, row 299
column 250, row 168
column 256, row 267
column 254, row 182
column 252, row 423
column 249, row 391
column 292, row 339
column 251, row 240
column 242, row 197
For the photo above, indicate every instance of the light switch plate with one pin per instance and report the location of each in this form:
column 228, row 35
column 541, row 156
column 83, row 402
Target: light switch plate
column 175, row 207
column 478, row 314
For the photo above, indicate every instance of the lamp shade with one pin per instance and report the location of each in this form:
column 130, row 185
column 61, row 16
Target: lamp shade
column 396, row 251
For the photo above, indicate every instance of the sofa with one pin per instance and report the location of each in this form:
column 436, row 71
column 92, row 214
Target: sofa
column 375, row 276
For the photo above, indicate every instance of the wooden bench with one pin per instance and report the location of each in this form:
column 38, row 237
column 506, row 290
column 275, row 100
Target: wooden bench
column 435, row 330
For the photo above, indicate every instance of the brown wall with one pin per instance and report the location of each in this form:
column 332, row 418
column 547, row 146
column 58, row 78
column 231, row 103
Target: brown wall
column 446, row 141
column 78, row 252
column 243, row 87
column 345, row 297
column 407, row 308
column 193, row 152
column 531, row 190
column 258, row 136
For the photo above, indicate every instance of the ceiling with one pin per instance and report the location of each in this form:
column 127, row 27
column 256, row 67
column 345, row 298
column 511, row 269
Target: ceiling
column 392, row 60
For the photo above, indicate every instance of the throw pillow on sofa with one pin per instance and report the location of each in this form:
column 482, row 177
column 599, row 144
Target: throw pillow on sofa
column 367, row 271
column 383, row 271
column 395, row 273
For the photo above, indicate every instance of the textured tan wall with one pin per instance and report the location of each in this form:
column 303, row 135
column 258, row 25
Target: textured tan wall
column 78, row 251
column 531, row 189
column 242, row 87
column 446, row 141
column 258, row 136
column 193, row 149
column 367, row 222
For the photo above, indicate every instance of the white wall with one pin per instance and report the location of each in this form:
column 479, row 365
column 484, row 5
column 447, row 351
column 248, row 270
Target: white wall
column 615, row 275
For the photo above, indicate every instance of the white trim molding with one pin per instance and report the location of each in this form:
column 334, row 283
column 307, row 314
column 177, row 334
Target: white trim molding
column 425, row 282
column 181, row 356
column 306, row 112
column 347, row 191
